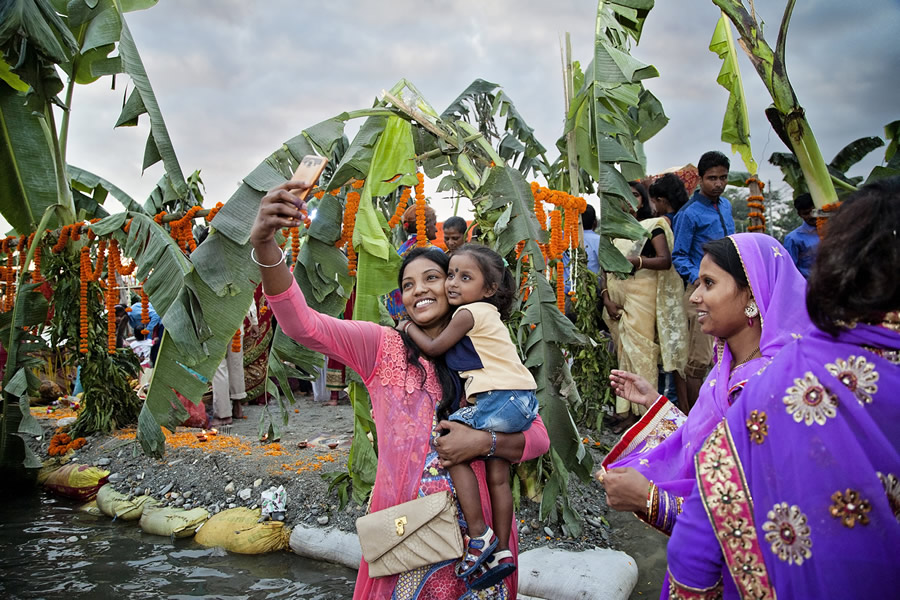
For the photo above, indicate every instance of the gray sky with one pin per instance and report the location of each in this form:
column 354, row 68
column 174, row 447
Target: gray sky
column 235, row 79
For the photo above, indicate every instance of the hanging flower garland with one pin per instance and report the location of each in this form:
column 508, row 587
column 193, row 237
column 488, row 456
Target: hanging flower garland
column 145, row 310
column 756, row 206
column 214, row 211
column 350, row 211
column 111, row 297
column 421, row 236
column 236, row 341
column 401, row 207
column 294, row 233
column 560, row 287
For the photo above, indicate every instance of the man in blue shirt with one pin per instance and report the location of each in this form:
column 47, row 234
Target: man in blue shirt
column 706, row 217
column 803, row 242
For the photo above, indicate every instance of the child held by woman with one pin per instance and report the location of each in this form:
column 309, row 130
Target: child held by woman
column 500, row 393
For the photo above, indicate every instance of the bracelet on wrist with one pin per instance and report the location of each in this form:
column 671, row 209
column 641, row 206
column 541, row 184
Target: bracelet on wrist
column 493, row 443
column 253, row 258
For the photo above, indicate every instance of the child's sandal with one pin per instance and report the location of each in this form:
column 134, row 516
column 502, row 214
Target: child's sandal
column 498, row 567
column 478, row 549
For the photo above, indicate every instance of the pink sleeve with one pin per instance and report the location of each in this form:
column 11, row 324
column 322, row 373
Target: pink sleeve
column 354, row 343
column 537, row 442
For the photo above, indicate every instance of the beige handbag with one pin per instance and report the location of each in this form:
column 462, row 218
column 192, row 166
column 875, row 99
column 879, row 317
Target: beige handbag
column 414, row 534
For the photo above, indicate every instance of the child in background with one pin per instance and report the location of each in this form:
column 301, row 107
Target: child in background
column 454, row 233
column 500, row 394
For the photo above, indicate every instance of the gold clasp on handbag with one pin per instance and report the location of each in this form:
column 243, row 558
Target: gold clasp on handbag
column 399, row 523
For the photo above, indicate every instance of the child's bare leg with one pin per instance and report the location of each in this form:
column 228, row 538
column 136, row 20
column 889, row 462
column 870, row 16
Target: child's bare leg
column 469, row 498
column 501, row 499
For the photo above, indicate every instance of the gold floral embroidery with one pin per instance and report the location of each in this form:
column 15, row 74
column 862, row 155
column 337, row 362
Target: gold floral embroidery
column 736, row 532
column 757, row 426
column 665, row 428
column 716, row 465
column 809, row 402
column 787, row 532
column 679, row 591
column 892, row 488
column 858, row 374
column 724, row 498
column 748, row 570
column 849, row 507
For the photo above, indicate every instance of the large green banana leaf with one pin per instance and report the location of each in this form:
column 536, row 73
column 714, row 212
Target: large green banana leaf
column 26, row 160
column 736, row 124
column 88, row 182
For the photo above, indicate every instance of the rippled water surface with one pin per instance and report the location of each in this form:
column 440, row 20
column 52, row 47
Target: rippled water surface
column 39, row 558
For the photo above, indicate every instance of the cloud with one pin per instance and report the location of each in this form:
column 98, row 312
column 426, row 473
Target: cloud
column 236, row 79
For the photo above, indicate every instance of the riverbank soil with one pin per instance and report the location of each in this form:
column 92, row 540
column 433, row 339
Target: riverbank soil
column 233, row 468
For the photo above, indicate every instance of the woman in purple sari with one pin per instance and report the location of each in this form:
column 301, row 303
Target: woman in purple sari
column 748, row 299
column 798, row 490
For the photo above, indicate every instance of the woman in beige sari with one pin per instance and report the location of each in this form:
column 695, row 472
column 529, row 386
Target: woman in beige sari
column 644, row 311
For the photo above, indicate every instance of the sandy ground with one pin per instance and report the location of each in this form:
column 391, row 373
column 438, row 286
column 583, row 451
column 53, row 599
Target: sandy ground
column 234, row 467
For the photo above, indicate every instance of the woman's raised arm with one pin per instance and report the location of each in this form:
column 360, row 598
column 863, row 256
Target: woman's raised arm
column 355, row 343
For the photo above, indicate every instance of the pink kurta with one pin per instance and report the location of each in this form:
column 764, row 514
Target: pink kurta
column 404, row 401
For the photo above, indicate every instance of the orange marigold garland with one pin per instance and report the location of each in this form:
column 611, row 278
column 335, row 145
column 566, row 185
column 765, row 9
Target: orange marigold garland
column 213, row 212
column 294, row 233
column 822, row 222
column 350, row 210
column 756, row 206
column 61, row 443
column 560, row 287
column 556, row 235
column 145, row 311
column 421, row 237
column 9, row 299
column 86, row 274
column 236, row 341
column 111, row 297
column 401, row 207
column 63, row 239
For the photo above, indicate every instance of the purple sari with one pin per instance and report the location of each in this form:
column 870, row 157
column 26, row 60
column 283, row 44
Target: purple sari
column 662, row 444
column 798, row 491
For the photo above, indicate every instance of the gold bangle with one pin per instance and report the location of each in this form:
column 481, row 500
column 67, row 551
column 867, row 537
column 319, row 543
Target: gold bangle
column 640, row 262
column 604, row 291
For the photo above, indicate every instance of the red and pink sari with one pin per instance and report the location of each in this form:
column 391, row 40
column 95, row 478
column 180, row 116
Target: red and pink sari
column 404, row 402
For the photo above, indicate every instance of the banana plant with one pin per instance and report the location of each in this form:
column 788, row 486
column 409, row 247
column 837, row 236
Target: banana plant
column 785, row 114
column 848, row 156
column 609, row 117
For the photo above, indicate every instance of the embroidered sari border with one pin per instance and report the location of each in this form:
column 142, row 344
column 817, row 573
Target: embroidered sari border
column 638, row 432
column 680, row 591
column 719, row 466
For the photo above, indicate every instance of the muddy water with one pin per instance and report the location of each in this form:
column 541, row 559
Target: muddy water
column 50, row 550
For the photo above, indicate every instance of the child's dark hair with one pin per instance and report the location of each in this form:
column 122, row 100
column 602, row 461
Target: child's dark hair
column 456, row 224
column 495, row 274
column 644, row 211
column 449, row 380
column 670, row 187
column 724, row 253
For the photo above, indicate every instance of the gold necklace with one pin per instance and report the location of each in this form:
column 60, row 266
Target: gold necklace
column 750, row 357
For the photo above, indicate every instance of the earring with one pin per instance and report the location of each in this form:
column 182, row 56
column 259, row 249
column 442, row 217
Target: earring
column 751, row 310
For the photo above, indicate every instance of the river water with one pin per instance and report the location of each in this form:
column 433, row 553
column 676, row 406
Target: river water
column 48, row 549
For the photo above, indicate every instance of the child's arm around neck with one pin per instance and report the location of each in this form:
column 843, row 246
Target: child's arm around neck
column 461, row 323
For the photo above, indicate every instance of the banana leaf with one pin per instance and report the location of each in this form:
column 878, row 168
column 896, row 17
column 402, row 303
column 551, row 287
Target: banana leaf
column 143, row 101
column 88, row 182
column 736, row 124
column 26, row 162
